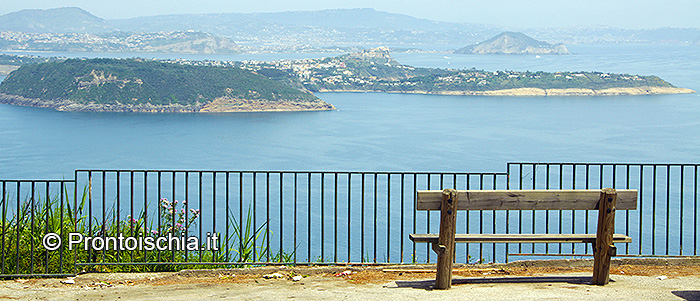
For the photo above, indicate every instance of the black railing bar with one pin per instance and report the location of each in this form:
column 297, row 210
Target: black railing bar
column 17, row 221
column 46, row 227
column 507, row 246
column 680, row 212
column 4, row 226
column 374, row 247
column 605, row 163
column 281, row 213
column 413, row 244
column 213, row 215
column 308, row 218
column 640, row 208
column 201, row 217
column 627, row 212
column 267, row 216
column 61, row 250
column 259, row 263
column 31, row 256
column 295, row 215
column 131, row 207
column 362, row 221
column 37, row 181
column 145, row 211
column 468, row 213
column 5, row 276
column 255, row 213
column 695, row 211
column 427, row 213
column 403, row 211
column 323, row 214
column 653, row 206
column 388, row 217
column 349, row 212
column 278, row 171
column 591, row 255
column 668, row 206
column 226, row 217
column 160, row 208
column 335, row 218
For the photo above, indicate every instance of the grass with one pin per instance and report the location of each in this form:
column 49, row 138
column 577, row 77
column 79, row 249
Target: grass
column 22, row 251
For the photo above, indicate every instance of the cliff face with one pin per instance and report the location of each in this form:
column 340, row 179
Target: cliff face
column 513, row 43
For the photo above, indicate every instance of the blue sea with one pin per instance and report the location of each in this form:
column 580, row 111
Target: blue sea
column 392, row 132
column 379, row 131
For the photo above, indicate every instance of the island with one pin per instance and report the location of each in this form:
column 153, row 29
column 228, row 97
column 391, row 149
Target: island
column 374, row 70
column 161, row 86
column 137, row 85
column 513, row 43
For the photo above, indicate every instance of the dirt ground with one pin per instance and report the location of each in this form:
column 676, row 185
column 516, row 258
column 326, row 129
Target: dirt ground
column 640, row 279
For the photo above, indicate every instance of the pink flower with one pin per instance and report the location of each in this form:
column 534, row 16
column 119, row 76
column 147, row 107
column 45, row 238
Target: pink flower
column 154, row 232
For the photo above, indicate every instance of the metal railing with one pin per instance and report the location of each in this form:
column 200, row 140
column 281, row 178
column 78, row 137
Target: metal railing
column 320, row 217
column 29, row 209
column 664, row 224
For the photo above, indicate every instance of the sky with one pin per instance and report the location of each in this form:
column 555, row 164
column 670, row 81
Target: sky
column 510, row 13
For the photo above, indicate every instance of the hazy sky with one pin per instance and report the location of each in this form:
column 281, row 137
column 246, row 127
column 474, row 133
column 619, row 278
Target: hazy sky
column 513, row 13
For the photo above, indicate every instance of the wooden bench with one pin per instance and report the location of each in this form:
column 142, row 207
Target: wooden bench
column 448, row 201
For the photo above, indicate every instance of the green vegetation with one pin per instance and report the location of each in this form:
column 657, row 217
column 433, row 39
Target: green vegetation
column 375, row 70
column 24, row 253
column 135, row 81
column 487, row 81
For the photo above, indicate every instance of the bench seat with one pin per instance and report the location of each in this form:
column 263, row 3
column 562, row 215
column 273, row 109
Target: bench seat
column 518, row 238
column 448, row 201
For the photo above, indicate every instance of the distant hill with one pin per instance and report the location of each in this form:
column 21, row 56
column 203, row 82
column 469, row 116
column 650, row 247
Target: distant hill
column 513, row 43
column 191, row 42
column 135, row 85
column 359, row 27
column 56, row 20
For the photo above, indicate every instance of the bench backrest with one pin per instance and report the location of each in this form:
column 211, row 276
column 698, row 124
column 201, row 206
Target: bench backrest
column 526, row 199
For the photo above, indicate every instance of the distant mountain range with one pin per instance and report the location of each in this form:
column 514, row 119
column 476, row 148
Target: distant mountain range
column 334, row 27
column 57, row 20
column 513, row 43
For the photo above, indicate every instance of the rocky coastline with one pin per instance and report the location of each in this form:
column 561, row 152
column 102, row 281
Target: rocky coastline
column 220, row 105
column 545, row 92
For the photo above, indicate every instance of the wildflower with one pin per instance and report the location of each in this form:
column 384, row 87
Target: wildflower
column 133, row 221
column 182, row 211
column 154, row 232
column 175, row 202
column 184, row 202
column 178, row 226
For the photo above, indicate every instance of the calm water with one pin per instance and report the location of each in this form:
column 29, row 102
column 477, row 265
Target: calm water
column 388, row 132
column 376, row 131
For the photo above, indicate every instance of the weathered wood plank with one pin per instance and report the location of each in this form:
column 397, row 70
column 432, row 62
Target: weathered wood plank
column 519, row 238
column 604, row 237
column 526, row 199
column 445, row 247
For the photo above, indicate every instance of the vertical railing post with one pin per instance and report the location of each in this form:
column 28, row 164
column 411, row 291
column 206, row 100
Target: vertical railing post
column 446, row 241
column 604, row 248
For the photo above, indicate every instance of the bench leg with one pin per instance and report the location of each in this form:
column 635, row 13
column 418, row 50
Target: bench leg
column 446, row 242
column 603, row 247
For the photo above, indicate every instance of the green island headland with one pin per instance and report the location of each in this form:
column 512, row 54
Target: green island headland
column 164, row 86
